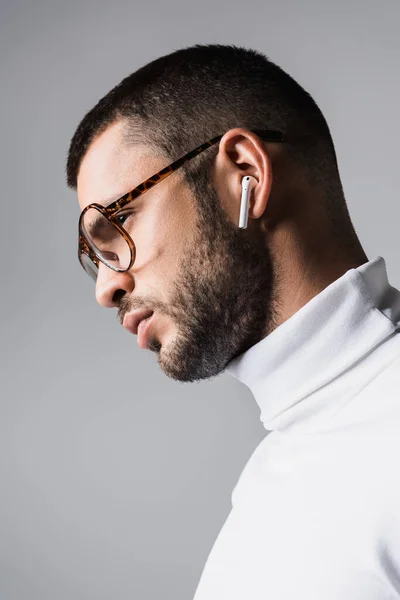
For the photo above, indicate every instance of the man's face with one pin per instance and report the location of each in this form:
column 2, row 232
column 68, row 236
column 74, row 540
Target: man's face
column 208, row 283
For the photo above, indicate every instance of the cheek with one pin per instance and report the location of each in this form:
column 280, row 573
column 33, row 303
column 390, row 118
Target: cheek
column 175, row 237
column 165, row 236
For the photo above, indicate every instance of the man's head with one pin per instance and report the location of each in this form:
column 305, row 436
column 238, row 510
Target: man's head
column 215, row 289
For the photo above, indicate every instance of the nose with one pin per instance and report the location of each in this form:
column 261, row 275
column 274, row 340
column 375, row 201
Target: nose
column 111, row 286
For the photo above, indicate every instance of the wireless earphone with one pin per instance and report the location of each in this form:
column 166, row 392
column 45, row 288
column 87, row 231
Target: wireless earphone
column 244, row 202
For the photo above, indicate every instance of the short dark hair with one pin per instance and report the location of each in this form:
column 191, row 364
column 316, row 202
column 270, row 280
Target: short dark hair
column 191, row 95
column 187, row 97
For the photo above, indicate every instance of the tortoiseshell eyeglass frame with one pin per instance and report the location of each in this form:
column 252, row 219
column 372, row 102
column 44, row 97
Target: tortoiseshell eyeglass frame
column 112, row 209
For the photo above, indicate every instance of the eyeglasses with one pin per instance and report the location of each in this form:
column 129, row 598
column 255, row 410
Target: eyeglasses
column 105, row 231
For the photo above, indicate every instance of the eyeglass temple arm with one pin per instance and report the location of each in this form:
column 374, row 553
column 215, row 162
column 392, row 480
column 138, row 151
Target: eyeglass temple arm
column 266, row 135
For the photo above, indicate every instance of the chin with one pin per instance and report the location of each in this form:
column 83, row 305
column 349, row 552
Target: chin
column 168, row 358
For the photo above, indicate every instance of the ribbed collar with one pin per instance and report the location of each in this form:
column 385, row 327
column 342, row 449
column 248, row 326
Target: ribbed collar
column 288, row 371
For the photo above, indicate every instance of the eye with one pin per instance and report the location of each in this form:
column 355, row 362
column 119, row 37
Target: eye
column 122, row 218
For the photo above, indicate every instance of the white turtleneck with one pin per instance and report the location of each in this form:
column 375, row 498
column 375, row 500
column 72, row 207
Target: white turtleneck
column 316, row 511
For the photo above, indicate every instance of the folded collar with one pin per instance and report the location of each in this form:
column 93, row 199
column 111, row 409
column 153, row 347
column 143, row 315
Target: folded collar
column 320, row 342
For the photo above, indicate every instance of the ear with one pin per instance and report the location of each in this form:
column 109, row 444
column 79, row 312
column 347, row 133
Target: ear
column 241, row 152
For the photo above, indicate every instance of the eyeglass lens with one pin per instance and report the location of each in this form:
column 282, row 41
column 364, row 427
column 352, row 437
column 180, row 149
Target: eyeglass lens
column 106, row 240
column 89, row 266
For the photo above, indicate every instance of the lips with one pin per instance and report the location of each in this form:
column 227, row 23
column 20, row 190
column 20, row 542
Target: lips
column 143, row 333
column 132, row 320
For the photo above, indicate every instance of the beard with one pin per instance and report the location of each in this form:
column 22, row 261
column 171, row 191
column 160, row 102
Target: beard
column 222, row 300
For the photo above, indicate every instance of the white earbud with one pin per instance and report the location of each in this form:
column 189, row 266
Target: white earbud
column 244, row 202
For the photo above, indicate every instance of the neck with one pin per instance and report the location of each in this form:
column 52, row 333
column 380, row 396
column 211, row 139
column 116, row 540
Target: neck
column 306, row 260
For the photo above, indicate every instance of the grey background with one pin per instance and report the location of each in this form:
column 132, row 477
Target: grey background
column 115, row 481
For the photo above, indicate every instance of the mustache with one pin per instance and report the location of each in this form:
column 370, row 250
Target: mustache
column 128, row 304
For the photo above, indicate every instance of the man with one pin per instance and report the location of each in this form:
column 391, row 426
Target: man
column 288, row 303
